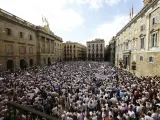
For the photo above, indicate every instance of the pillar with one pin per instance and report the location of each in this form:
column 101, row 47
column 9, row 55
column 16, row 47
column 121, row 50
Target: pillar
column 147, row 33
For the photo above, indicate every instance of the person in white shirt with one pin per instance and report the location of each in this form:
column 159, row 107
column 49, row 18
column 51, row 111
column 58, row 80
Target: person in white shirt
column 148, row 116
column 131, row 113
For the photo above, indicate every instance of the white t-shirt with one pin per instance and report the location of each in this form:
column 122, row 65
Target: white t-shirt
column 148, row 118
column 131, row 114
column 94, row 118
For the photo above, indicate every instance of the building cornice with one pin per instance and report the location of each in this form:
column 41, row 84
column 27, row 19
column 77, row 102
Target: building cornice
column 13, row 18
column 154, row 30
column 141, row 13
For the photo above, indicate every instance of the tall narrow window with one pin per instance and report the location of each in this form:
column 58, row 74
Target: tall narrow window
column 9, row 49
column 8, row 31
column 142, row 43
column 31, row 50
column 30, row 37
column 22, row 50
column 151, row 59
column 155, row 20
column 21, row 35
column 127, row 46
column 135, row 44
column 142, row 28
column 154, row 40
column 141, row 58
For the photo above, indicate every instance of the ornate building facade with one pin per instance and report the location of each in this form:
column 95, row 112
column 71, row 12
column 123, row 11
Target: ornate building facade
column 74, row 51
column 139, row 41
column 111, row 50
column 95, row 50
column 23, row 44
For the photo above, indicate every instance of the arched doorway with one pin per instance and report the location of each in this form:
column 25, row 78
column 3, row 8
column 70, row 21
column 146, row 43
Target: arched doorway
column 23, row 64
column 44, row 61
column 31, row 62
column 49, row 61
column 10, row 65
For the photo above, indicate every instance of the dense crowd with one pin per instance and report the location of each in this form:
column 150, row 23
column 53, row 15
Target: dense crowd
column 82, row 91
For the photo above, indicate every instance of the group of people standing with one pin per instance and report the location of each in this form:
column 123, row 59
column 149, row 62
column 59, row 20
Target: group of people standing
column 82, row 91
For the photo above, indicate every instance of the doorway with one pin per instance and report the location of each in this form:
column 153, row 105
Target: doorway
column 10, row 65
column 31, row 62
column 22, row 64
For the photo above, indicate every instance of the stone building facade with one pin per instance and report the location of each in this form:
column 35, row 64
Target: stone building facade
column 74, row 51
column 139, row 41
column 95, row 50
column 23, row 44
column 111, row 49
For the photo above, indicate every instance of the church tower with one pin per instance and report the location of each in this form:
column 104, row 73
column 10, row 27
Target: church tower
column 147, row 1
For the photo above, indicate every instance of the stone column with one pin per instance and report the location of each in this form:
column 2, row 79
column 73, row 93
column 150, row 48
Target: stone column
column 45, row 45
column 147, row 33
column 50, row 45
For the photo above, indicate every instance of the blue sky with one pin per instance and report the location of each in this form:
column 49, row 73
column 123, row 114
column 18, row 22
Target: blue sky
column 76, row 20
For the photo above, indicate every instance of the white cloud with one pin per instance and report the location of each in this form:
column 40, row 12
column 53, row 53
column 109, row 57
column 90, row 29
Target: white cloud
column 66, row 20
column 125, row 1
column 112, row 2
column 110, row 28
column 55, row 11
column 95, row 4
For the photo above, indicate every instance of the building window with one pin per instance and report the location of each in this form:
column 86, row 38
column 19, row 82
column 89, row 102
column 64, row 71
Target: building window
column 135, row 32
column 135, row 44
column 154, row 20
column 142, row 28
column 8, row 31
column 22, row 50
column 127, row 46
column 134, row 57
column 31, row 50
column 9, row 49
column 141, row 58
column 97, row 45
column 142, row 43
column 151, row 59
column 30, row 37
column 21, row 35
column 154, row 40
column 121, row 46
